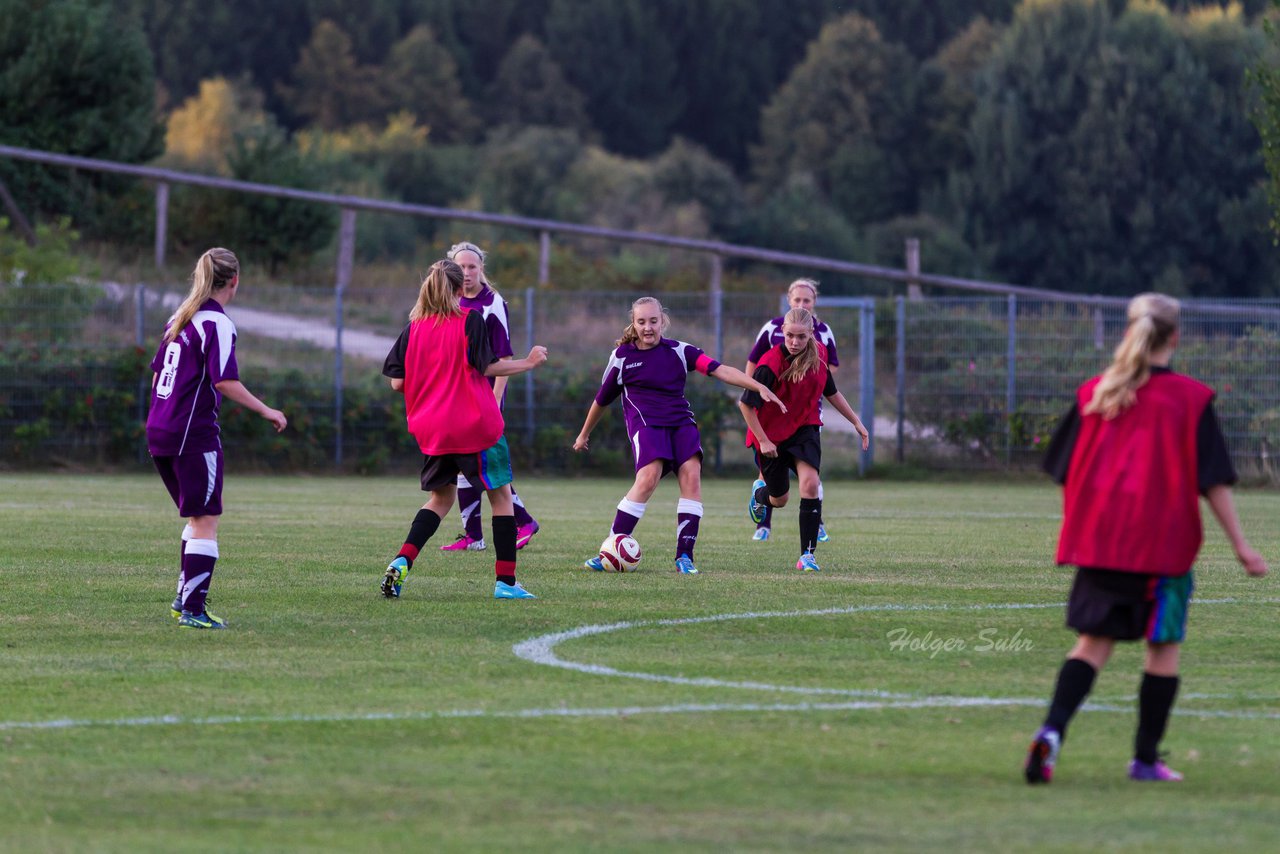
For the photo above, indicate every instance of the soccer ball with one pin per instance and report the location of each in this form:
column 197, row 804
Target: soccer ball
column 620, row 553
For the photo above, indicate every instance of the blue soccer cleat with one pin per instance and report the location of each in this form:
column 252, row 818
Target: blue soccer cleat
column 176, row 610
column 823, row 536
column 393, row 581
column 755, row 509
column 760, row 535
column 502, row 590
column 203, row 620
column 808, row 563
column 594, row 563
column 684, row 565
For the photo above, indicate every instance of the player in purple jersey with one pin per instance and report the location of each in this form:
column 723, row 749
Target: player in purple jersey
column 479, row 295
column 649, row 372
column 802, row 293
column 194, row 368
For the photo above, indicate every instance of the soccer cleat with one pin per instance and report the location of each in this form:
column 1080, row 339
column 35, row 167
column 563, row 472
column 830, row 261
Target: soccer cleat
column 523, row 534
column 203, row 620
column 823, row 536
column 397, row 571
column 1043, row 755
column 502, row 590
column 176, row 610
column 464, row 543
column 808, row 563
column 755, row 509
column 594, row 563
column 760, row 535
column 684, row 565
column 1149, row 771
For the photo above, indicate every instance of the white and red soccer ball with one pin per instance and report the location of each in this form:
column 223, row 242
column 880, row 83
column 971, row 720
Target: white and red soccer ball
column 620, row 553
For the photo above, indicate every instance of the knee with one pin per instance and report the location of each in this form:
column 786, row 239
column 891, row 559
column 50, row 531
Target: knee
column 780, row 500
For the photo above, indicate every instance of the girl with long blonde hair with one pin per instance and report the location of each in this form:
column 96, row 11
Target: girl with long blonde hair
column 649, row 373
column 440, row 364
column 1134, row 454
column 193, row 369
column 789, row 438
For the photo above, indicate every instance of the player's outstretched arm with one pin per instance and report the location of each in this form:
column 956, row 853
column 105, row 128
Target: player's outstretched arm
column 511, row 367
column 1224, row 508
column 842, row 406
column 235, row 390
column 733, row 376
column 594, row 414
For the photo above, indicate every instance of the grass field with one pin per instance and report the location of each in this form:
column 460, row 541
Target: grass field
column 883, row 704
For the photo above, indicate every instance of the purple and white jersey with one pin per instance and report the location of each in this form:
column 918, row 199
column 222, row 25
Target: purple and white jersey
column 770, row 336
column 493, row 309
column 184, row 403
column 651, row 382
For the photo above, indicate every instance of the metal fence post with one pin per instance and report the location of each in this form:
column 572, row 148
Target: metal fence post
column 162, row 221
column 867, row 380
column 1011, row 379
column 139, row 338
column 902, row 375
column 530, row 424
column 913, row 268
column 346, row 260
column 717, row 320
column 544, row 258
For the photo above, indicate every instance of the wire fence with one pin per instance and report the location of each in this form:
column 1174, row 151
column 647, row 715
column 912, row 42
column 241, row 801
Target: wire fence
column 964, row 383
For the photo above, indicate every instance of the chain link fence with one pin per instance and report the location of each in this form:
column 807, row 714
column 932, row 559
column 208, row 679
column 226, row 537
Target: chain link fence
column 963, row 383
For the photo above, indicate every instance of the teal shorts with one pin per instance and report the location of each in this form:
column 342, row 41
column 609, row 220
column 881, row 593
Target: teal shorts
column 487, row 469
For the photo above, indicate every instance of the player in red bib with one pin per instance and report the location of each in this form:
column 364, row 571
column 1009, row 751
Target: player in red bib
column 1139, row 447
column 440, row 363
column 790, row 440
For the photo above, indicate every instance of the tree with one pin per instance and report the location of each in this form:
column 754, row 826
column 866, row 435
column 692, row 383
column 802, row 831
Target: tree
column 1266, row 79
column 530, row 89
column 844, row 117
column 1114, row 154
column 75, row 79
column 421, row 77
column 621, row 58
column 330, row 87
column 202, row 131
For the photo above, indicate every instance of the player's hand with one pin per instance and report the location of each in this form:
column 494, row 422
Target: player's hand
column 866, row 437
column 580, row 443
column 1253, row 563
column 769, row 397
column 768, row 449
column 277, row 419
column 537, row 355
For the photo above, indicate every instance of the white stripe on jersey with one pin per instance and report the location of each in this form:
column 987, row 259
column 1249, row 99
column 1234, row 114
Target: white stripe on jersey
column 226, row 334
column 615, row 361
column 498, row 309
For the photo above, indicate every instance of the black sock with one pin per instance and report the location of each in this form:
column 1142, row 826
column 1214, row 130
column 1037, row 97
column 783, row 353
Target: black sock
column 504, row 548
column 424, row 525
column 810, row 519
column 762, row 496
column 1155, row 701
column 1075, row 681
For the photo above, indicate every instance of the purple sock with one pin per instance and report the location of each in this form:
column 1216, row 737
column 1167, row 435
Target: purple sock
column 688, row 515
column 469, row 507
column 522, row 515
column 628, row 516
column 197, row 572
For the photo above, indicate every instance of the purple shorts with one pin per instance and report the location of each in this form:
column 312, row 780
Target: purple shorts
column 194, row 482
column 673, row 445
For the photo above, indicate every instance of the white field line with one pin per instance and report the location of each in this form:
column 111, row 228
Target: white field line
column 538, row 650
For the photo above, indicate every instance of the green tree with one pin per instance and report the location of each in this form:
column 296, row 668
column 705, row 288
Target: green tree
column 624, row 62
column 1114, row 154
column 74, row 78
column 330, row 87
column 845, row 117
column 530, row 89
column 202, row 130
column 421, row 77
column 524, row 171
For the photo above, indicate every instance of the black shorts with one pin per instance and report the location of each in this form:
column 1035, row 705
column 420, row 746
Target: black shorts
column 805, row 445
column 487, row 469
column 1130, row 605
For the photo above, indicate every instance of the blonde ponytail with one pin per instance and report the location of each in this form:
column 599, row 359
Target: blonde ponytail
column 807, row 360
column 1153, row 319
column 214, row 271
column 438, row 296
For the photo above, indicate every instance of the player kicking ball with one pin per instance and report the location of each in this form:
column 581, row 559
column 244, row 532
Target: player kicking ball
column 789, row 438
